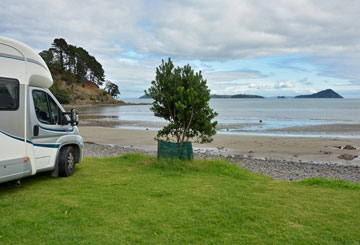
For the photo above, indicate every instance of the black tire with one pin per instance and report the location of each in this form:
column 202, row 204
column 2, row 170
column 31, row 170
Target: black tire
column 67, row 160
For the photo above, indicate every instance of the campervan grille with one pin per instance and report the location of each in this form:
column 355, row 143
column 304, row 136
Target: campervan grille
column 9, row 94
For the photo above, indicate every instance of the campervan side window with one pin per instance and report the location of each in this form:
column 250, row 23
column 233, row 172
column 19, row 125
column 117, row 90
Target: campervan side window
column 46, row 109
column 54, row 111
column 9, row 94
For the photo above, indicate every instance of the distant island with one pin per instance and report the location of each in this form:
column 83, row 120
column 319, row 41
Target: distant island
column 328, row 93
column 236, row 96
column 218, row 96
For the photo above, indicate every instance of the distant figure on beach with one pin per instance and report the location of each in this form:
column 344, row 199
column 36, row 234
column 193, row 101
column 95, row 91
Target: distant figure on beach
column 260, row 121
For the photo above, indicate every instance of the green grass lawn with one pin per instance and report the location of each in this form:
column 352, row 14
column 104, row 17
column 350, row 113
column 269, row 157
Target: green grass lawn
column 138, row 199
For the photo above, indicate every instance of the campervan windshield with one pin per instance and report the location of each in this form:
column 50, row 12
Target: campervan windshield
column 9, row 94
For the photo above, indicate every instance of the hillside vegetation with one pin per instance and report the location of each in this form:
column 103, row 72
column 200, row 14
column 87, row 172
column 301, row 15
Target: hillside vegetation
column 68, row 91
column 137, row 199
column 77, row 75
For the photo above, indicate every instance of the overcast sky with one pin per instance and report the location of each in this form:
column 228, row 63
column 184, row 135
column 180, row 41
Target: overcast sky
column 262, row 47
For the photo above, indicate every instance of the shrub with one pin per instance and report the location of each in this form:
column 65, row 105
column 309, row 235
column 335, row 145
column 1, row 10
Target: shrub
column 181, row 97
column 62, row 95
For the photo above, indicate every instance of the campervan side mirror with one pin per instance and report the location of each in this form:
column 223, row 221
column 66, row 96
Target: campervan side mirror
column 73, row 115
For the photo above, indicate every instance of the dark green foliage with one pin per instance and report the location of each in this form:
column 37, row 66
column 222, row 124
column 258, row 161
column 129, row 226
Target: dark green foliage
column 62, row 95
column 63, row 57
column 59, row 48
column 181, row 97
column 112, row 89
column 48, row 57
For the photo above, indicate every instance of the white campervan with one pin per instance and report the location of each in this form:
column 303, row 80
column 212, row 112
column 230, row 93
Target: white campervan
column 36, row 134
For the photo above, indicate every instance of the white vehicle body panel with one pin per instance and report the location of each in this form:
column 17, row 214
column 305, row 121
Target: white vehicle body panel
column 21, row 152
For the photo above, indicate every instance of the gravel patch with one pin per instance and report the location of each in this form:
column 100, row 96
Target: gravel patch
column 278, row 169
column 100, row 151
column 289, row 170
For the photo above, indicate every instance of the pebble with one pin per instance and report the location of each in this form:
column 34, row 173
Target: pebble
column 278, row 169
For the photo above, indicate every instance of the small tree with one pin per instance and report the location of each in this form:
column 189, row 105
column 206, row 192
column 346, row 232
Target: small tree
column 181, row 97
column 112, row 89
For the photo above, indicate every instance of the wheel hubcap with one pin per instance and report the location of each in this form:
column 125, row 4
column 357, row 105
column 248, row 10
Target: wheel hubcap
column 70, row 161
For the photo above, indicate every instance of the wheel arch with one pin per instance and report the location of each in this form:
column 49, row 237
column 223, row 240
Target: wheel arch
column 76, row 148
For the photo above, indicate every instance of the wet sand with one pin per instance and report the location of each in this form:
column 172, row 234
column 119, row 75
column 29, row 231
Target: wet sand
column 325, row 130
column 299, row 149
column 87, row 104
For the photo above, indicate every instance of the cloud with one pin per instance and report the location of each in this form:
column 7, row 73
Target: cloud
column 206, row 30
column 251, row 28
column 271, row 86
column 225, row 76
column 131, row 37
column 304, row 91
column 259, row 86
column 283, row 84
column 305, row 81
column 292, row 62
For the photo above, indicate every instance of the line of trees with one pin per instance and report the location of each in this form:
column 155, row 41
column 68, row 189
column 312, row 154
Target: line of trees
column 78, row 63
column 112, row 89
column 64, row 57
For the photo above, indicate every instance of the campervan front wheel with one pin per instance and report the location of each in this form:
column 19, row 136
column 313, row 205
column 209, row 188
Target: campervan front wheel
column 67, row 161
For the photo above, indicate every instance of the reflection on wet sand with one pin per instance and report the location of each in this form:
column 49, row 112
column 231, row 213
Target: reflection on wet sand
column 346, row 130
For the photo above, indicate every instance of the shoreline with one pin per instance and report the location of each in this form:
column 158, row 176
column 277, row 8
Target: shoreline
column 283, row 158
column 117, row 103
column 277, row 169
column 329, row 130
column 306, row 149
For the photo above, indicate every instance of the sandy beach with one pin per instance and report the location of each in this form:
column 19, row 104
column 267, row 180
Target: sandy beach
column 285, row 150
column 300, row 149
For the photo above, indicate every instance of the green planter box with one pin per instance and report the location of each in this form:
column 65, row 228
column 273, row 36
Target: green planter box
column 174, row 150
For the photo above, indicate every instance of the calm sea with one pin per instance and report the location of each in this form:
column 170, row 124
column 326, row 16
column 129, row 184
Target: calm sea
column 245, row 114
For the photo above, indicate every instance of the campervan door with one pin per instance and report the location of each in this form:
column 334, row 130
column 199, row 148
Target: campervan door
column 47, row 132
column 14, row 161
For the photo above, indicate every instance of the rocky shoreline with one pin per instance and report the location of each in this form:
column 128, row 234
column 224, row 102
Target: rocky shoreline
column 278, row 169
